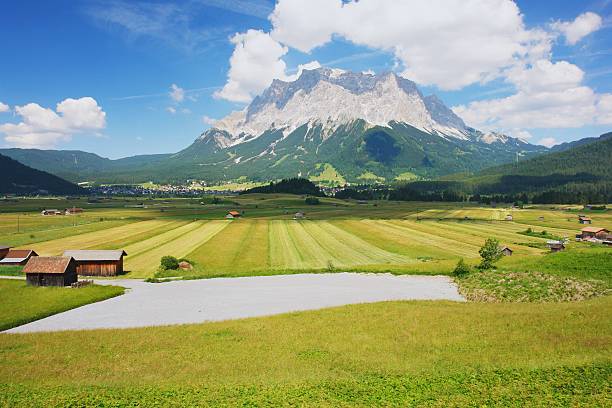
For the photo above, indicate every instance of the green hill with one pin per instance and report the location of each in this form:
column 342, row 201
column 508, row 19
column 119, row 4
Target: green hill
column 18, row 178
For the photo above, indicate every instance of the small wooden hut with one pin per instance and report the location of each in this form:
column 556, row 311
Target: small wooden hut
column 233, row 214
column 98, row 262
column 4, row 250
column 506, row 251
column 17, row 257
column 50, row 271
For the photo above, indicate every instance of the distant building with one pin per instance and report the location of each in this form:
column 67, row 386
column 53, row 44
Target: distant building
column 51, row 212
column 506, row 251
column 50, row 271
column 299, row 215
column 98, row 262
column 17, row 257
column 594, row 232
column 509, row 217
column 233, row 214
column 73, row 210
column 555, row 246
column 584, row 220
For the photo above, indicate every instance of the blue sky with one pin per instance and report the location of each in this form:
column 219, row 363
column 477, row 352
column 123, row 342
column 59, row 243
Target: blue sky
column 123, row 57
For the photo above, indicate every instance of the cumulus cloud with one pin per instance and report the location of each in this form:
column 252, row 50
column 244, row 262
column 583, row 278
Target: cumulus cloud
column 300, row 69
column 207, row 120
column 549, row 95
column 548, row 142
column 177, row 93
column 4, row 107
column 422, row 34
column 576, row 30
column 171, row 109
column 44, row 127
column 604, row 110
column 255, row 62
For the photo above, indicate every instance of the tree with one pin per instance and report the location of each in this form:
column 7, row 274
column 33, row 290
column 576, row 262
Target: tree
column 490, row 253
column 461, row 269
column 169, row 262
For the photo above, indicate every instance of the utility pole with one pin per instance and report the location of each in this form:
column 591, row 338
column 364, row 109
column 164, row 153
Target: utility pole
column 18, row 223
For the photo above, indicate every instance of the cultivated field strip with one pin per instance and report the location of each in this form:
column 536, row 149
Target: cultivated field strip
column 242, row 245
column 97, row 238
column 146, row 262
column 161, row 239
column 283, row 252
column 447, row 245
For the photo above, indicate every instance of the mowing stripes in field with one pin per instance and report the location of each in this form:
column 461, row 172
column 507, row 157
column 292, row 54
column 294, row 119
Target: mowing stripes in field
column 161, row 239
column 283, row 252
column 94, row 239
column 449, row 246
column 145, row 263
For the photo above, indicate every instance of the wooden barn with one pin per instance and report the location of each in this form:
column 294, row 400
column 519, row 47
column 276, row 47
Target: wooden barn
column 233, row 214
column 98, row 262
column 73, row 211
column 594, row 232
column 506, row 251
column 584, row 220
column 50, row 271
column 555, row 246
column 17, row 257
column 4, row 250
column 51, row 212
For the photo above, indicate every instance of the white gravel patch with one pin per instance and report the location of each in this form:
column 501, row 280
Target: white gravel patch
column 197, row 301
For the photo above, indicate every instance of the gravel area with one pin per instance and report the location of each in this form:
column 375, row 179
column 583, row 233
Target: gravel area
column 196, row 301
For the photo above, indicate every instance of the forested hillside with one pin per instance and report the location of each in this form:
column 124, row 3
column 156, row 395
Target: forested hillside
column 20, row 179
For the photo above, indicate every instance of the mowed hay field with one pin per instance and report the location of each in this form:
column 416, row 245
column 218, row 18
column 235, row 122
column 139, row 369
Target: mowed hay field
column 402, row 238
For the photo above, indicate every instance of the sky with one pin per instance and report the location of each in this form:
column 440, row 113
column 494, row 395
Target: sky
column 126, row 77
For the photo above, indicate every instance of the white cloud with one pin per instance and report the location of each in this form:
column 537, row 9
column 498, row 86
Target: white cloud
column 255, row 62
column 604, row 110
column 447, row 43
column 549, row 95
column 4, row 107
column 368, row 72
column 548, row 142
column 44, row 127
column 576, row 30
column 171, row 109
column 208, row 120
column 177, row 93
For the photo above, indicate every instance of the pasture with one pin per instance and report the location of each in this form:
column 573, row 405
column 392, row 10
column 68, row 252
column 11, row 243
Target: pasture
column 426, row 238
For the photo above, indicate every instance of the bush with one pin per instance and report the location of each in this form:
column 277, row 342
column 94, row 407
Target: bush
column 312, row 201
column 490, row 253
column 461, row 269
column 169, row 262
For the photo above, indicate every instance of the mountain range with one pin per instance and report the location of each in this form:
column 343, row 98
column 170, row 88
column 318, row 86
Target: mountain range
column 18, row 178
column 329, row 125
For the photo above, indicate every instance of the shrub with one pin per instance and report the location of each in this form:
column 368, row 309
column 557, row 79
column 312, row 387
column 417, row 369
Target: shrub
column 461, row 269
column 529, row 230
column 169, row 262
column 490, row 253
column 330, row 266
column 312, row 201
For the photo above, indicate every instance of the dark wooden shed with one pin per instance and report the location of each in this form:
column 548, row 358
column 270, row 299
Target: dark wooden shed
column 98, row 262
column 4, row 250
column 17, row 257
column 50, row 271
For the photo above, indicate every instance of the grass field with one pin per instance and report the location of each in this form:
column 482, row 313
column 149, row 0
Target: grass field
column 392, row 353
column 337, row 235
column 22, row 304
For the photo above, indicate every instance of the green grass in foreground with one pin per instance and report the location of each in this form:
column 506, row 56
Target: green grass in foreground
column 584, row 386
column 12, row 270
column 22, row 304
column 390, row 353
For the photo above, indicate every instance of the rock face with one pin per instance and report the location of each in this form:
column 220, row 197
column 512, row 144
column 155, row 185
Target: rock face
column 341, row 125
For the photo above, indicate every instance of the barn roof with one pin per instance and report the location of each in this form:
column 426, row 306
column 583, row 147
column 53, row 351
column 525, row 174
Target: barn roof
column 95, row 255
column 593, row 229
column 47, row 264
column 233, row 213
column 17, row 255
column 4, row 246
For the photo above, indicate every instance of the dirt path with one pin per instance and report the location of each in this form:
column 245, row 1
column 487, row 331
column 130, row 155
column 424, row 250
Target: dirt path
column 196, row 301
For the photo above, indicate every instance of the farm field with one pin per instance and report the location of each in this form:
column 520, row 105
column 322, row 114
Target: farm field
column 422, row 238
column 382, row 354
